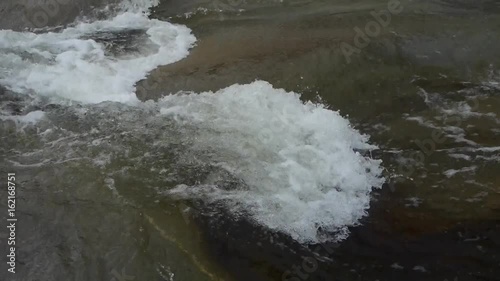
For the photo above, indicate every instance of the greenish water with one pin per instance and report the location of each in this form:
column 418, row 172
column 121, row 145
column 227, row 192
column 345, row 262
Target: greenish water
column 436, row 51
column 425, row 89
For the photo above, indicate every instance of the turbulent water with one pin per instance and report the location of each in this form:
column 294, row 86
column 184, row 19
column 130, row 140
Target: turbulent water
column 76, row 63
column 284, row 152
column 112, row 162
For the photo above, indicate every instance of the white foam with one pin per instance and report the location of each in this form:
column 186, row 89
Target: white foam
column 28, row 119
column 297, row 160
column 489, row 148
column 460, row 156
column 452, row 172
column 138, row 6
column 73, row 66
column 419, row 268
column 397, row 266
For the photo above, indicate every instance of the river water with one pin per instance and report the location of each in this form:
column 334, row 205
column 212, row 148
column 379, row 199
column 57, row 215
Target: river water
column 252, row 140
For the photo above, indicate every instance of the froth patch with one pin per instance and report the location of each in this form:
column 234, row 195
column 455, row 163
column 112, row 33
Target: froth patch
column 73, row 66
column 302, row 175
column 28, row 119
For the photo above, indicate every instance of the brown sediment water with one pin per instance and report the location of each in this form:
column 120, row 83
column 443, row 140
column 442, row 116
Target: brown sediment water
column 425, row 89
column 429, row 223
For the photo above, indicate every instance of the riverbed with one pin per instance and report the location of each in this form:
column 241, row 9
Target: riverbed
column 273, row 140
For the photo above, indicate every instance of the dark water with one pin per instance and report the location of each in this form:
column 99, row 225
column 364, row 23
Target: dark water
column 420, row 227
column 426, row 89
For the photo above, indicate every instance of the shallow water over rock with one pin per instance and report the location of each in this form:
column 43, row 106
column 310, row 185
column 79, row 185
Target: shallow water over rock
column 95, row 179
